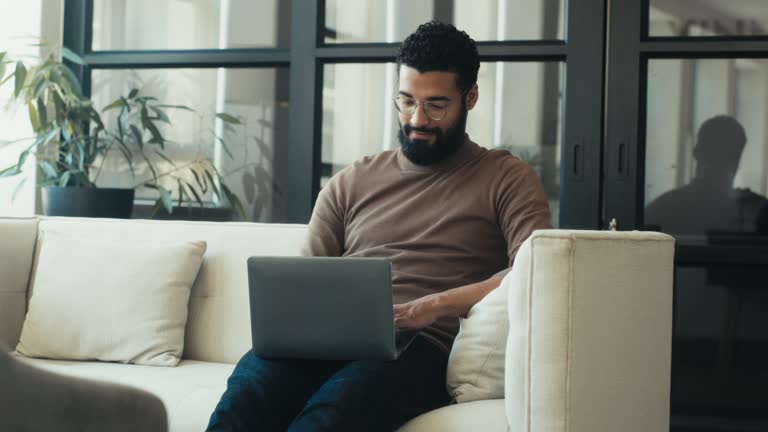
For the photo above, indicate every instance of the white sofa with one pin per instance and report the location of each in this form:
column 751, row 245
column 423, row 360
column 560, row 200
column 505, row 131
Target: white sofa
column 589, row 344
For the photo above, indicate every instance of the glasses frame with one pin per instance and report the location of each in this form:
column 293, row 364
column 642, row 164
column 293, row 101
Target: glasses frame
column 420, row 104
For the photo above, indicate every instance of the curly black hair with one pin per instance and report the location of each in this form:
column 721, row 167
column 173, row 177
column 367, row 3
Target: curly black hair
column 436, row 46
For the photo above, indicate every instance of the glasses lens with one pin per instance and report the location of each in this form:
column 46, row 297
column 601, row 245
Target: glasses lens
column 405, row 105
column 434, row 112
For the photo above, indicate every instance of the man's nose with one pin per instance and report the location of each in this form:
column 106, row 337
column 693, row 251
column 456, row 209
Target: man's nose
column 419, row 118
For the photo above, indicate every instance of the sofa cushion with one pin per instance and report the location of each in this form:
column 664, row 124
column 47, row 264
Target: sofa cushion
column 218, row 327
column 189, row 391
column 476, row 363
column 96, row 299
column 485, row 415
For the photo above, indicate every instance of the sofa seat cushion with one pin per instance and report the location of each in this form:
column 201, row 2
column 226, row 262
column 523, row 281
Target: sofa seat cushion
column 189, row 391
column 483, row 415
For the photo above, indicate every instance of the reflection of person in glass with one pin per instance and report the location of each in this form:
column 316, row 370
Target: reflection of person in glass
column 710, row 203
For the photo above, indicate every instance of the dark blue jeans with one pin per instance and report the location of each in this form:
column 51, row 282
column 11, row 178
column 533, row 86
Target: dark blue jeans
column 311, row 395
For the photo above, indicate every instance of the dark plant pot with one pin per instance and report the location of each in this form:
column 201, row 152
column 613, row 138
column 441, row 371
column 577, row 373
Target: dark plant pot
column 88, row 202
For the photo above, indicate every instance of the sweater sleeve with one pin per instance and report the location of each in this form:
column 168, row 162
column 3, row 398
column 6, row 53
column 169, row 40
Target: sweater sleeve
column 522, row 207
column 325, row 236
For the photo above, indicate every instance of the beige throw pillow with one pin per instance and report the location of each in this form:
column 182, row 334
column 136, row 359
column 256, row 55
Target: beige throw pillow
column 476, row 362
column 97, row 299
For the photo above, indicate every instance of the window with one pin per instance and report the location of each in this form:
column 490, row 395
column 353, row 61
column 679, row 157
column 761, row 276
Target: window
column 185, row 24
column 524, row 120
column 686, row 155
column 322, row 53
column 353, row 21
column 708, row 18
column 21, row 32
column 243, row 154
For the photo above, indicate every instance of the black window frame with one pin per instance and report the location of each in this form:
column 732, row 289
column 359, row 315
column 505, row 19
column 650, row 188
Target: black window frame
column 298, row 164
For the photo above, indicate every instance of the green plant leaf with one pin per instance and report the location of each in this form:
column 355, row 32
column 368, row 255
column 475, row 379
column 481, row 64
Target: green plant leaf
column 197, row 177
column 196, row 195
column 65, row 133
column 72, row 80
column 182, row 107
column 132, row 94
column 42, row 112
column 157, row 137
column 205, row 183
column 213, row 183
column 96, row 118
column 10, row 171
column 17, row 189
column 115, row 104
column 181, row 192
column 64, row 179
column 137, row 136
column 70, row 55
column 144, row 115
column 234, row 200
column 59, row 105
column 7, row 78
column 121, row 124
column 165, row 158
column 48, row 169
column 45, row 139
column 149, row 164
column 33, row 119
column 161, row 115
column 224, row 146
column 48, row 183
column 228, row 118
column 126, row 152
column 165, row 196
column 21, row 76
column 38, row 84
column 82, row 158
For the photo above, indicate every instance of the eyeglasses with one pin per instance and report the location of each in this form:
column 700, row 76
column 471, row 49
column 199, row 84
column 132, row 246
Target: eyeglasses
column 435, row 110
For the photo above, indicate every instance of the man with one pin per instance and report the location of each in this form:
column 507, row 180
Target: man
column 448, row 214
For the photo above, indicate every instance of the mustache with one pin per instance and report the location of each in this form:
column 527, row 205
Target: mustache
column 407, row 129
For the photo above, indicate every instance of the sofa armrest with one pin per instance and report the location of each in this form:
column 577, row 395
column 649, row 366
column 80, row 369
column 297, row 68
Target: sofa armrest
column 17, row 245
column 33, row 399
column 589, row 346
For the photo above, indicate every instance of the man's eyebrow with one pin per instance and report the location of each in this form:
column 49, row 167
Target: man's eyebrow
column 431, row 98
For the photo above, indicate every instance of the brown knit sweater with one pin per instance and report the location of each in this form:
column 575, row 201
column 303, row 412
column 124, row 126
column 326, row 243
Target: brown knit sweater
column 442, row 227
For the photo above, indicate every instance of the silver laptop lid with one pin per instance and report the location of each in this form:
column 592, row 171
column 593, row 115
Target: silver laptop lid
column 321, row 308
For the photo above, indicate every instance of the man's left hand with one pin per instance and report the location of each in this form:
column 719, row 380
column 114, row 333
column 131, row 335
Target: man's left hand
column 418, row 313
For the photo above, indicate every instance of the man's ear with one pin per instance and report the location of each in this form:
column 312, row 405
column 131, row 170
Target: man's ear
column 472, row 96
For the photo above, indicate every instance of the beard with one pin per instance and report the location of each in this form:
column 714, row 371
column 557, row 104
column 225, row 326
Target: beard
column 446, row 144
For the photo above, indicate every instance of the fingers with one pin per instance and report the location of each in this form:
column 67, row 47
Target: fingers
column 401, row 316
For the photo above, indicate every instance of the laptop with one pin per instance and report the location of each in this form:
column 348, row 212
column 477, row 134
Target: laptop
column 327, row 308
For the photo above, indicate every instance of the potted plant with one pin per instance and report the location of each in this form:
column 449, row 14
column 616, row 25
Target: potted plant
column 72, row 143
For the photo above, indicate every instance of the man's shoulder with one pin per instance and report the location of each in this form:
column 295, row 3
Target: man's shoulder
column 365, row 167
column 498, row 161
